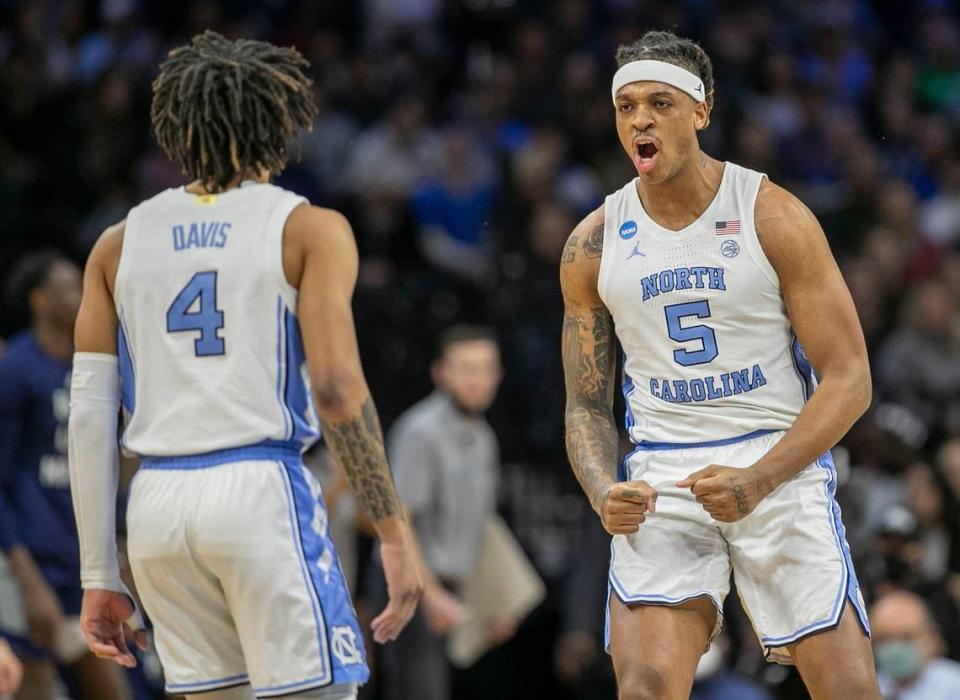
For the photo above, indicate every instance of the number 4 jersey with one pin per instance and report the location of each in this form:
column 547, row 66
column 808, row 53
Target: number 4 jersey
column 210, row 351
column 709, row 353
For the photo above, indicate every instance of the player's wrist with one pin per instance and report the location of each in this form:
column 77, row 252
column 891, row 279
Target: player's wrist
column 764, row 481
column 601, row 495
column 392, row 530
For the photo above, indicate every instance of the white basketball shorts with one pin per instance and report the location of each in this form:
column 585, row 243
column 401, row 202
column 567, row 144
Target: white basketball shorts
column 236, row 570
column 789, row 557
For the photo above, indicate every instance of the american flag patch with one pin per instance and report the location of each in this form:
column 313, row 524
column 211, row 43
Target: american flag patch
column 722, row 228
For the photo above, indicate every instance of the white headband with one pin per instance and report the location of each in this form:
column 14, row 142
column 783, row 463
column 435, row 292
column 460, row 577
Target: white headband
column 660, row 72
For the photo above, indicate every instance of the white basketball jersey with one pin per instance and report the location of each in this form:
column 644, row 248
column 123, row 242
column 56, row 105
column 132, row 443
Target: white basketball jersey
column 209, row 344
column 709, row 353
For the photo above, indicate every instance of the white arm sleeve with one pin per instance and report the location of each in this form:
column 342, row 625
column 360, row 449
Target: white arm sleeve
column 94, row 407
column 92, row 450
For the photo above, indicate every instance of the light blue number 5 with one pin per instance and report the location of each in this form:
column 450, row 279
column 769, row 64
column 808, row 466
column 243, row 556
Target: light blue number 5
column 705, row 334
column 208, row 319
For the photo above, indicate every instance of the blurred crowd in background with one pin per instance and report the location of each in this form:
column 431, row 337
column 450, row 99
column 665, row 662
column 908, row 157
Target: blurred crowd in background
column 464, row 139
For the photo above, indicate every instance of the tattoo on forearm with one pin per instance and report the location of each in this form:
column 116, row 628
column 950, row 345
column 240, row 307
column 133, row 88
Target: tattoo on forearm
column 740, row 494
column 588, row 360
column 357, row 444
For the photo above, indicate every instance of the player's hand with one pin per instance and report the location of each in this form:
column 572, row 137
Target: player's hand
column 103, row 619
column 443, row 610
column 44, row 614
column 625, row 506
column 404, row 588
column 728, row 494
column 11, row 670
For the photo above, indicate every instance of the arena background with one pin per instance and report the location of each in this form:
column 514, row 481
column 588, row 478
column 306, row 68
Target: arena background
column 465, row 138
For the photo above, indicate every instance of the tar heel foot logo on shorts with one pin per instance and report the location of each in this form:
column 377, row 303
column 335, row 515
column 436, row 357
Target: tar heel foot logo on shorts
column 730, row 248
column 343, row 641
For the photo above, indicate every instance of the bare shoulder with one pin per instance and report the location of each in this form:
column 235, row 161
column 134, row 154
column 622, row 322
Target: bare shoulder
column 310, row 220
column 312, row 228
column 105, row 256
column 788, row 231
column 321, row 236
column 580, row 264
column 586, row 240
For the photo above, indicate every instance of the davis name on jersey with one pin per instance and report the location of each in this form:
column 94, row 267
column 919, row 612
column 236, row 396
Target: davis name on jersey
column 709, row 353
column 203, row 234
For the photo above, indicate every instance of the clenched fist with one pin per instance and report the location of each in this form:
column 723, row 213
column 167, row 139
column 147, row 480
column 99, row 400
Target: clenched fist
column 728, row 494
column 625, row 505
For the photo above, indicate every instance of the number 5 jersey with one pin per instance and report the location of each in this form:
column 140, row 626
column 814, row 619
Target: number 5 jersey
column 209, row 344
column 709, row 353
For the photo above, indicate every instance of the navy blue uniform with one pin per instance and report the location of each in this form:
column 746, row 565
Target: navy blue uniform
column 35, row 506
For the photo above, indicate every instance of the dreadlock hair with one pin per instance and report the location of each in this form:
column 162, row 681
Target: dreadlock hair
column 224, row 108
column 669, row 48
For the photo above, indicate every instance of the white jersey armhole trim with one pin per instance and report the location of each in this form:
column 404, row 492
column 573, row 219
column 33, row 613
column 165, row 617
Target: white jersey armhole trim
column 120, row 282
column 606, row 255
column 276, row 224
column 751, row 240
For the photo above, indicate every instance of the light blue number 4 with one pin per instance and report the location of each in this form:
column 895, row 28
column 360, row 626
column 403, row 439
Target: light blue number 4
column 699, row 309
column 207, row 318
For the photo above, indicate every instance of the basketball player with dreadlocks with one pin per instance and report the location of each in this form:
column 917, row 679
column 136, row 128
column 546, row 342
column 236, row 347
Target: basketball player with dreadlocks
column 724, row 296
column 207, row 315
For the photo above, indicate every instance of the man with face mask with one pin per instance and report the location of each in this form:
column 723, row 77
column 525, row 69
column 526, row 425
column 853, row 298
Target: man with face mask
column 907, row 647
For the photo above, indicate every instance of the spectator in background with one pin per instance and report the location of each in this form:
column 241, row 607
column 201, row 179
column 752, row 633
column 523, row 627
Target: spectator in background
column 389, row 161
column 926, row 498
column 948, row 469
column 898, row 565
column 11, row 671
column 919, row 365
column 445, row 460
column 453, row 210
column 38, row 531
column 909, row 651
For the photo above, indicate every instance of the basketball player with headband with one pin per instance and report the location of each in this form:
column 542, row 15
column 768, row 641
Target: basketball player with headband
column 743, row 364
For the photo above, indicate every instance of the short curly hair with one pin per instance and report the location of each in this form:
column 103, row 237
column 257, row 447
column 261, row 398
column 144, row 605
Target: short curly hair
column 670, row 48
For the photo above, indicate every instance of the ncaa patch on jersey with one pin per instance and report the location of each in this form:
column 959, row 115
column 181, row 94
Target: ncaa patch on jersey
column 628, row 229
column 730, row 248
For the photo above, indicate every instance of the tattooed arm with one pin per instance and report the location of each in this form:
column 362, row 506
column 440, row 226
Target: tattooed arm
column 320, row 260
column 589, row 355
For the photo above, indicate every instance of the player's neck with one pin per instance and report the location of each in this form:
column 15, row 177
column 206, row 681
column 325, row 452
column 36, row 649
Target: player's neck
column 197, row 187
column 54, row 341
column 681, row 200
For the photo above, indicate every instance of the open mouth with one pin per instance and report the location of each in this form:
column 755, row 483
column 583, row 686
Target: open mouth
column 646, row 156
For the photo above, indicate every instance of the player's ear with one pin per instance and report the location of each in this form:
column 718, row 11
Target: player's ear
column 701, row 115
